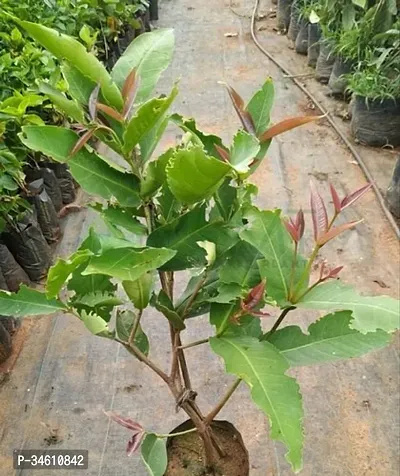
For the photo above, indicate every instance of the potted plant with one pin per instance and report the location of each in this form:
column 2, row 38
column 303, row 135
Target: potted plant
column 191, row 210
column 376, row 92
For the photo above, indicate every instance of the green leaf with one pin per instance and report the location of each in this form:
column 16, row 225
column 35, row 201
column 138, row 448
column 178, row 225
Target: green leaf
column 183, row 235
column 369, row 313
column 192, row 176
column 155, row 174
column 96, row 325
column 260, row 106
column 121, row 218
column 243, row 151
column 123, row 326
column 67, row 48
column 328, row 339
column 139, row 291
column 154, row 454
column 98, row 302
column 70, row 107
column 28, row 302
column 62, row 270
column 128, row 264
column 208, row 141
column 201, row 305
column 80, row 87
column 348, row 16
column 220, row 315
column 262, row 367
column 145, row 119
column 360, row 3
column 226, row 200
column 149, row 141
column 164, row 305
column 94, row 174
column 241, row 266
column 227, row 293
column 168, row 205
column 150, row 54
column 267, row 233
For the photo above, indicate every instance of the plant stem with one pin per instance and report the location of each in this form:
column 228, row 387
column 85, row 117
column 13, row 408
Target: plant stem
column 192, row 298
column 180, row 433
column 307, row 269
column 210, row 417
column 135, row 328
column 277, row 323
column 296, row 245
column 195, row 343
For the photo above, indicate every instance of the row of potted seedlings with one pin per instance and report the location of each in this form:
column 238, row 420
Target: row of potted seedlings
column 34, row 195
column 355, row 49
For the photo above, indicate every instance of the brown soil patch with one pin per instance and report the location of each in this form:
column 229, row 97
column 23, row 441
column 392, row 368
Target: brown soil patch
column 186, row 454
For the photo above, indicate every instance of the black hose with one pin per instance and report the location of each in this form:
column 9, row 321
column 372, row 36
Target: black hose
column 346, row 141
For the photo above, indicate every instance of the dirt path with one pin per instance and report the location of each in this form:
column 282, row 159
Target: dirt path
column 65, row 378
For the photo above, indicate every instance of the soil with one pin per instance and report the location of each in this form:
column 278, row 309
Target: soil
column 186, row 454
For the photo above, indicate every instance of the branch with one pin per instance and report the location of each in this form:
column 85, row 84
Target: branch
column 195, row 343
column 135, row 328
column 194, row 295
column 210, row 417
column 277, row 323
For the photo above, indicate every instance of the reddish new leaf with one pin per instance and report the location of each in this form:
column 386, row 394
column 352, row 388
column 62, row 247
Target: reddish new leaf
column 110, row 112
column 129, row 92
column 82, row 141
column 134, row 443
column 93, row 102
column 352, row 197
column 296, row 226
column 291, row 228
column 222, row 153
column 260, row 314
column 333, row 273
column 125, row 422
column 244, row 115
column 287, row 125
column 336, row 200
column 300, row 223
column 255, row 295
column 319, row 214
column 334, row 232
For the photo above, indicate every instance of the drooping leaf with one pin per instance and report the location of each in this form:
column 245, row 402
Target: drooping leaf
column 67, row 48
column 139, row 291
column 129, row 91
column 369, row 313
column 164, row 305
column 124, row 323
column 154, row 454
column 193, row 176
column 70, row 107
column 62, row 270
column 262, row 367
column 149, row 54
column 267, row 233
column 128, row 264
column 82, row 141
column 287, row 125
column 94, row 174
column 183, row 235
column 208, row 141
column 146, row 117
column 243, row 151
column 260, row 106
column 330, row 338
column 28, row 302
column 121, row 218
column 99, row 303
column 96, row 325
column 155, row 175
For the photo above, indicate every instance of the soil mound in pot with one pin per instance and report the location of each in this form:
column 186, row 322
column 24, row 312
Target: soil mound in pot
column 186, row 454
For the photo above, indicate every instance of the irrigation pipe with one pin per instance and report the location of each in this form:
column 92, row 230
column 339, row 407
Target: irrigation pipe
column 346, row 141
